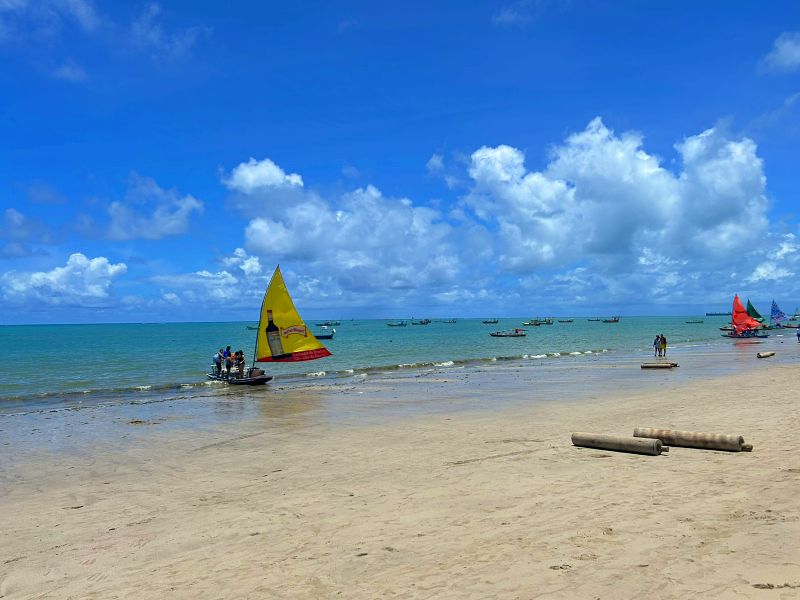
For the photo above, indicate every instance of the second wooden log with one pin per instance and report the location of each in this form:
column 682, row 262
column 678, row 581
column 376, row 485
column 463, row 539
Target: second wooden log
column 692, row 439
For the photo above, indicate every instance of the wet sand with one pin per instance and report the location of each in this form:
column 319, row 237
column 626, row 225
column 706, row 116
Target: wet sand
column 454, row 503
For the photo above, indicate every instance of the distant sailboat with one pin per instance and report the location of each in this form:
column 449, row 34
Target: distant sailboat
column 779, row 319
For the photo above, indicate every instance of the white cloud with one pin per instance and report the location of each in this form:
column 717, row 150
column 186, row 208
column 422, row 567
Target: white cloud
column 435, row 164
column 785, row 53
column 603, row 196
column 70, row 71
column 19, row 233
column 150, row 212
column 249, row 265
column 255, row 175
column 148, row 34
column 81, row 282
column 369, row 241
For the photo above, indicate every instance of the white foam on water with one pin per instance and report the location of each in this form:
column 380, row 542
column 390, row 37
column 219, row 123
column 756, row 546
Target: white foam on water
column 144, row 388
column 575, row 353
column 447, row 363
column 349, row 371
column 539, row 356
column 588, row 352
column 556, row 353
column 316, row 374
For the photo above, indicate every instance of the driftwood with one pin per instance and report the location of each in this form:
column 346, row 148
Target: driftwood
column 694, row 439
column 765, row 354
column 618, row 443
column 659, row 365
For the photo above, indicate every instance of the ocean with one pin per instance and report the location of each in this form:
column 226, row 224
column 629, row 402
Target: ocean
column 64, row 364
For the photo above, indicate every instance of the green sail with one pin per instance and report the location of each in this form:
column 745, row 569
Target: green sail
column 751, row 310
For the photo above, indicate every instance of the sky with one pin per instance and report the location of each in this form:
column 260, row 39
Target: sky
column 434, row 159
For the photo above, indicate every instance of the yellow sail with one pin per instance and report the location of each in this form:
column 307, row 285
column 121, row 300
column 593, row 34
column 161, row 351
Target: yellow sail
column 282, row 334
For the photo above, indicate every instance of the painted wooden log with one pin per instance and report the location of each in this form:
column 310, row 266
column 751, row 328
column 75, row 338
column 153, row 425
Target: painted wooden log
column 619, row 443
column 693, row 439
column 661, row 365
column 765, row 354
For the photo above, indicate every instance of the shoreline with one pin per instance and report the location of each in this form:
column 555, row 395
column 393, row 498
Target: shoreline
column 465, row 503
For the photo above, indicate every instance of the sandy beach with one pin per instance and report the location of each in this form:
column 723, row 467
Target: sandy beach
column 462, row 504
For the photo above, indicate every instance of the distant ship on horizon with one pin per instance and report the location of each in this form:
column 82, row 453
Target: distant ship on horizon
column 718, row 314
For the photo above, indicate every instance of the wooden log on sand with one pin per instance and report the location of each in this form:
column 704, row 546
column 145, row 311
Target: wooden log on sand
column 765, row 354
column 619, row 443
column 694, row 439
column 659, row 365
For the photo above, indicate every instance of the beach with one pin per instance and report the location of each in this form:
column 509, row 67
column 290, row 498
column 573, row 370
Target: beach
column 452, row 503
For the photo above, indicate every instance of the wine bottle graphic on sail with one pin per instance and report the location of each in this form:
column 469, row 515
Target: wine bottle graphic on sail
column 282, row 334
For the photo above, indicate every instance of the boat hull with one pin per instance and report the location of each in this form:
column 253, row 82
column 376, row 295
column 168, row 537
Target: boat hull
column 257, row 380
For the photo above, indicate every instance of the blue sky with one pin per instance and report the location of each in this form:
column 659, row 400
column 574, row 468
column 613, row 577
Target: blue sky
column 442, row 159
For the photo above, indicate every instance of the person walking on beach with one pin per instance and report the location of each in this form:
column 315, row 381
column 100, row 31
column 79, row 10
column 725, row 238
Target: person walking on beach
column 663, row 345
column 657, row 346
column 798, row 335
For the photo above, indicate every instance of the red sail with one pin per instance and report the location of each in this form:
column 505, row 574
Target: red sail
column 740, row 319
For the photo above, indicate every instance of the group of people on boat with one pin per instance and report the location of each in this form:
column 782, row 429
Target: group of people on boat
column 224, row 360
column 660, row 345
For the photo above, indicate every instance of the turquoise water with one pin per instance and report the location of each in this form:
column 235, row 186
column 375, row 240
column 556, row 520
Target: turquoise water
column 54, row 362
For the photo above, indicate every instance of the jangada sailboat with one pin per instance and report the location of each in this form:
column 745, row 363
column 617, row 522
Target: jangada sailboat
column 779, row 319
column 282, row 336
column 744, row 326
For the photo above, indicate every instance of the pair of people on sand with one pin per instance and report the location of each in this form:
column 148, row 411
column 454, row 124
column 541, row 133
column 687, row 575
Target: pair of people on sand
column 660, row 345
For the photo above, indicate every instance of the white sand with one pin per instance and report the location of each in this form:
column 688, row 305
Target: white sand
column 466, row 505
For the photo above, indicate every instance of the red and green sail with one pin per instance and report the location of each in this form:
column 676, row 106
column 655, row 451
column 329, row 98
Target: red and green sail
column 741, row 318
column 751, row 310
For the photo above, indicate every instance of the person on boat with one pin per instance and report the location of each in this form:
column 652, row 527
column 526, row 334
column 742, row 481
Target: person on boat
column 663, row 345
column 239, row 362
column 218, row 363
column 657, row 346
column 228, row 364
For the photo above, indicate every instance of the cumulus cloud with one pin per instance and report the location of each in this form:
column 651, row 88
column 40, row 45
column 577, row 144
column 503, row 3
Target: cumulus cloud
column 150, row 212
column 604, row 201
column 257, row 175
column 371, row 242
column 81, row 282
column 249, row 265
column 785, row 53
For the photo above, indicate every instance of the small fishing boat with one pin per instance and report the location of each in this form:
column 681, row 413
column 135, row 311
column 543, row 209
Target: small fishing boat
column 397, row 324
column 531, row 323
column 328, row 323
column 252, row 327
column 325, row 335
column 282, row 337
column 449, row 321
column 490, row 321
column 596, row 320
column 566, row 320
column 695, row 321
column 420, row 322
column 509, row 333
column 611, row 320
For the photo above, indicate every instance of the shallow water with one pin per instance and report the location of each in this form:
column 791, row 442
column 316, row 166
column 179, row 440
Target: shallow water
column 68, row 364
